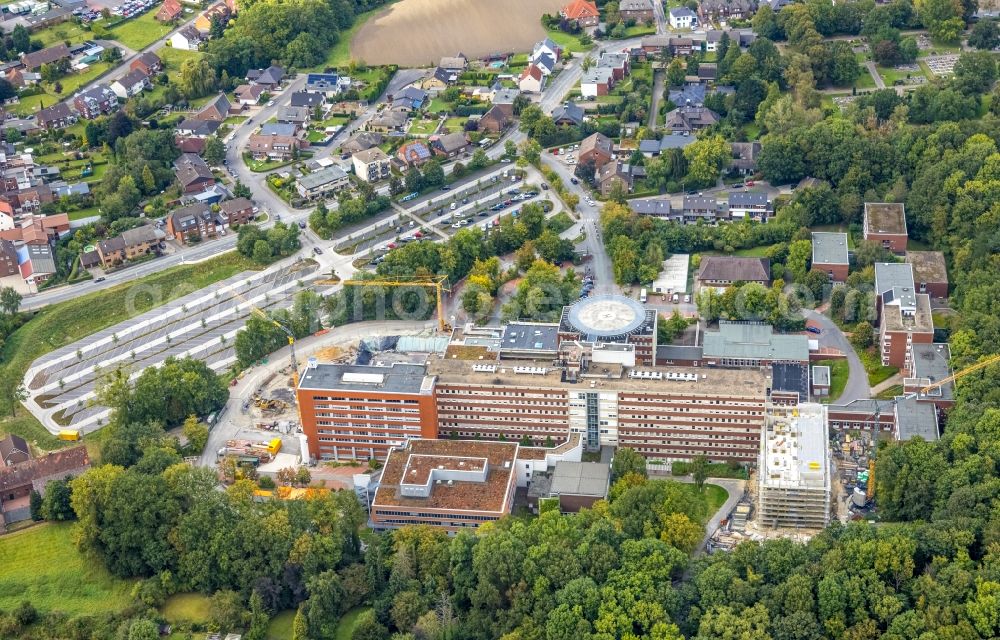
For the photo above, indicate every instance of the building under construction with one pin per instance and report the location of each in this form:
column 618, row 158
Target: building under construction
column 794, row 471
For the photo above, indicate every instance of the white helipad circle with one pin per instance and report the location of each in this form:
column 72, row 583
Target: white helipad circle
column 607, row 315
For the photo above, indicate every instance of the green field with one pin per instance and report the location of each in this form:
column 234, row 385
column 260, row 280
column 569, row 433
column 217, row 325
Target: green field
column 67, row 31
column 567, row 41
column 42, row 565
column 840, row 371
column 422, row 127
column 715, row 497
column 280, row 627
column 139, row 33
column 70, row 83
column 66, row 322
column 347, row 624
column 187, row 607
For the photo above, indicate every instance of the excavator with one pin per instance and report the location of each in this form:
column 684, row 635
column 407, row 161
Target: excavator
column 921, row 392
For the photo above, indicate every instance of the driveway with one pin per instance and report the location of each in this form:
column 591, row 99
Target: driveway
column 832, row 336
column 736, row 489
column 654, row 109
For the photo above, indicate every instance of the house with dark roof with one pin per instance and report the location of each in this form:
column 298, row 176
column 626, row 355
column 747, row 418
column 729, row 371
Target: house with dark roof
column 653, row 207
column 298, row 116
column 450, row 145
column 236, row 211
column 217, row 109
column 637, row 10
column 653, row 148
column 148, row 62
column 439, row 80
column 13, row 450
column 371, row 165
column 704, row 208
column 723, row 9
column 273, row 147
column 389, row 121
column 689, row 119
column 130, row 84
column 568, row 114
column 745, row 155
column 17, row 481
column 750, row 204
column 494, row 121
column 270, row 78
column 278, row 129
column 689, row 94
column 596, row 148
column 723, row 271
column 410, row 98
column 95, row 102
column 413, row 154
column 34, row 60
column 249, row 94
column 193, row 174
column 130, row 245
column 708, row 71
column 36, row 262
column 323, row 182
column 308, row 99
column 362, row 141
column 326, row 83
column 190, row 222
column 187, row 39
column 57, row 116
column 611, row 173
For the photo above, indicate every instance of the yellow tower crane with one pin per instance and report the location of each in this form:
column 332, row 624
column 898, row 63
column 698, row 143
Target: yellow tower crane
column 923, row 391
column 288, row 333
column 438, row 283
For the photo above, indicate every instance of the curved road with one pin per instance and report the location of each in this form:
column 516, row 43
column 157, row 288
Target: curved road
column 857, row 382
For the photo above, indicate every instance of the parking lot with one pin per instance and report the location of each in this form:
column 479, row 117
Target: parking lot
column 201, row 325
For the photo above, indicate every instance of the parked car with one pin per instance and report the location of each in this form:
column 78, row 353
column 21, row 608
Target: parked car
column 574, row 181
column 317, row 250
column 302, row 224
column 101, row 279
column 815, row 330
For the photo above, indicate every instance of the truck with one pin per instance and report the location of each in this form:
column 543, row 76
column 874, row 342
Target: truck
column 69, row 435
column 642, row 296
column 263, row 451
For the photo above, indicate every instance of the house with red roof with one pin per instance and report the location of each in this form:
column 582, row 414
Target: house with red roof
column 532, row 79
column 583, row 12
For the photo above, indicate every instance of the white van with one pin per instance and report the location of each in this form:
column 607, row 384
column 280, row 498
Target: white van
column 642, row 296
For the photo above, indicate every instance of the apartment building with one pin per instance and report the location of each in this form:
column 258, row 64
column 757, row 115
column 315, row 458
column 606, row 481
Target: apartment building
column 904, row 315
column 885, row 223
column 830, row 255
column 358, row 412
column 371, row 165
column 449, row 484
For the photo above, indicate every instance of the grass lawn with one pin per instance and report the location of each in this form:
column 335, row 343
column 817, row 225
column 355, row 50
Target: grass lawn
column 316, row 137
column 873, row 366
column 715, row 497
column 60, row 33
column 61, row 324
column 260, row 166
column 890, row 76
column 83, row 213
column 187, row 607
column 891, row 392
column 639, row 30
column 280, row 627
column 422, row 127
column 939, row 49
column 234, row 120
column 334, row 121
column 347, row 624
column 174, row 58
column 456, row 124
column 840, row 371
column 139, row 33
column 43, row 566
column 864, row 80
column 567, row 41
column 753, row 252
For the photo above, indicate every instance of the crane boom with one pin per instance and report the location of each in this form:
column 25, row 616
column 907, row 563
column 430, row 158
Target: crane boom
column 288, row 333
column 439, row 283
column 962, row 373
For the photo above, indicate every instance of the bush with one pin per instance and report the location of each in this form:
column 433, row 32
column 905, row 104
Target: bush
column 731, row 469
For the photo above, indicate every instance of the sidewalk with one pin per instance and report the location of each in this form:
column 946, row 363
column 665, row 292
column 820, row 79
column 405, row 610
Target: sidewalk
column 886, row 384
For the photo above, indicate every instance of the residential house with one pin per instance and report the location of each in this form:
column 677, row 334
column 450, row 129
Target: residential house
column 390, row 120
column 37, row 264
column 17, row 481
column 236, row 211
column 308, row 99
column 546, row 47
column 322, row 182
column 361, row 141
column 546, row 63
column 617, row 62
column 194, row 221
column 130, row 84
column 709, row 10
column 96, row 102
column 371, row 165
column 34, row 60
column 723, row 271
column 14, row 450
column 682, row 18
column 410, row 98
column 640, row 11
column 57, row 116
column 505, row 98
column 249, row 94
column 654, row 148
column 21, row 78
column 494, row 121
column 750, row 204
column 6, row 216
column 193, row 174
column 745, row 155
column 217, row 12
column 279, row 129
column 148, row 62
column 456, row 64
column 10, row 270
column 597, row 81
column 829, row 255
column 689, row 119
column 653, row 207
column 885, row 224
column 689, row 94
column 450, row 145
column 612, row 173
column 218, row 109
column 269, row 78
column 930, row 274
column 192, row 128
column 169, row 11
column 655, row 44
column 34, row 229
column 299, row 116
column 281, row 148
column 568, row 114
column 532, row 79
column 708, row 71
column 413, row 154
column 186, row 39
column 583, row 12
column 190, row 145
column 127, row 246
column 438, row 81
column 327, row 83
column 681, row 47
column 708, row 209
column 597, row 149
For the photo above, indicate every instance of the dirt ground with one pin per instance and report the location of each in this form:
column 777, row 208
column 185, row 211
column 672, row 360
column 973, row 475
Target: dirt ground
column 420, row 32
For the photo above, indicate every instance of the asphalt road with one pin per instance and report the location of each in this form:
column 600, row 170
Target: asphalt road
column 857, row 382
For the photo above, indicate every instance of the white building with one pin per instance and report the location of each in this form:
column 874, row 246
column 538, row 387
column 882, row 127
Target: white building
column 682, row 18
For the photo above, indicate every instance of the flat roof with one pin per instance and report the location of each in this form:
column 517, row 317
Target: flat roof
column 892, row 275
column 424, row 455
column 928, row 266
column 885, row 217
column 791, row 376
column 606, row 316
column 754, row 341
column 821, row 375
column 400, row 377
column 580, row 479
column 921, row 321
column 931, row 364
column 710, row 381
column 530, row 336
column 915, row 418
column 539, row 453
column 829, row 248
column 795, row 448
